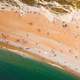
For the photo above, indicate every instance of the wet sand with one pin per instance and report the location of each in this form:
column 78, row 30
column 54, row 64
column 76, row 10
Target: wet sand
column 56, row 41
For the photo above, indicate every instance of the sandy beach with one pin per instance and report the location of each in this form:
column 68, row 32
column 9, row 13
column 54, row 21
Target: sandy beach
column 52, row 40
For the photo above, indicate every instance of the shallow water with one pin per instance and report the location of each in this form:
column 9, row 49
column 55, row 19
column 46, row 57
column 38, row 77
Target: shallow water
column 14, row 67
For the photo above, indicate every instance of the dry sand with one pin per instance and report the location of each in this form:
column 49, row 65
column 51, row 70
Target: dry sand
column 56, row 41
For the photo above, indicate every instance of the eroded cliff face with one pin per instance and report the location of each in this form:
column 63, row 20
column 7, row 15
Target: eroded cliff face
column 54, row 6
column 64, row 10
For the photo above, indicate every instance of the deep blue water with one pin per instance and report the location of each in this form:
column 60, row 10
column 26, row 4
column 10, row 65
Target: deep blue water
column 15, row 67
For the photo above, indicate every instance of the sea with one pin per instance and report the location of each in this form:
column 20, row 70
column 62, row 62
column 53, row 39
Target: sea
column 16, row 67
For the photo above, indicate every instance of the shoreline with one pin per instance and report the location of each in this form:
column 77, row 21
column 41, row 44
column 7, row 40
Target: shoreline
column 39, row 58
column 26, row 54
column 50, row 41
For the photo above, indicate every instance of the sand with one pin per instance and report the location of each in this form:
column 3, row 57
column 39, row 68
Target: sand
column 54, row 40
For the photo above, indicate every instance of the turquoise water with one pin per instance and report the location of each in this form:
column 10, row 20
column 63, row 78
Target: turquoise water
column 14, row 67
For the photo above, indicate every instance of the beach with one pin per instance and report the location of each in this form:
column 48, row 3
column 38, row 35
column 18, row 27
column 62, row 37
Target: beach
column 33, row 32
column 37, row 33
